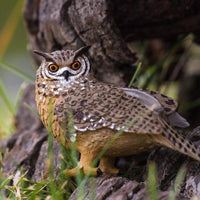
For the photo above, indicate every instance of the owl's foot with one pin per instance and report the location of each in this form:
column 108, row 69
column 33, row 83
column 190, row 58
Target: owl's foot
column 107, row 165
column 84, row 170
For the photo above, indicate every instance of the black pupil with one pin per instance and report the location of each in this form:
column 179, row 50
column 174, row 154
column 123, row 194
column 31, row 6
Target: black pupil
column 53, row 68
column 76, row 65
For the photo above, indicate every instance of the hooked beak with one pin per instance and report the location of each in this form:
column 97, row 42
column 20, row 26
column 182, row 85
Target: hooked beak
column 66, row 75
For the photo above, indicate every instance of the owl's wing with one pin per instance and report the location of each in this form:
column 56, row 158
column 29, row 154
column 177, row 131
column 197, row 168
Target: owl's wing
column 164, row 103
column 169, row 105
column 114, row 108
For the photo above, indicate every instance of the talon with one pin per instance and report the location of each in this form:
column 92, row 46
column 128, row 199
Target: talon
column 75, row 171
column 72, row 172
column 99, row 172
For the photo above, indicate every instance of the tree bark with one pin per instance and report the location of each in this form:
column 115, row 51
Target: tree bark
column 108, row 26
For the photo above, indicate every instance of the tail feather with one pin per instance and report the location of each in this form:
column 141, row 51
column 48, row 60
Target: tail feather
column 177, row 142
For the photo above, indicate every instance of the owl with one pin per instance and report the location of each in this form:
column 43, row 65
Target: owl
column 126, row 121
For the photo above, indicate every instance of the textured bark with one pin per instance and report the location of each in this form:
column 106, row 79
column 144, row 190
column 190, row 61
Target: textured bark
column 156, row 19
column 24, row 145
column 73, row 24
column 107, row 26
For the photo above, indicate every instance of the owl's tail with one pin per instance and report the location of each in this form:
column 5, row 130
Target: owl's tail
column 177, row 142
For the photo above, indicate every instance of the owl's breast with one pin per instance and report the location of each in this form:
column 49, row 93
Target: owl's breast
column 47, row 96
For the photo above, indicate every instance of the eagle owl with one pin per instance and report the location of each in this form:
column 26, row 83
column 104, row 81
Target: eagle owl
column 147, row 119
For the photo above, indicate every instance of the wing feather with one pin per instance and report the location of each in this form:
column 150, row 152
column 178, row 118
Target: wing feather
column 111, row 107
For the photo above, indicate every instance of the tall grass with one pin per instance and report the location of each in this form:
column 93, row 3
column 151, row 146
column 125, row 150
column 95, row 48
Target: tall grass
column 10, row 27
column 6, row 36
column 152, row 185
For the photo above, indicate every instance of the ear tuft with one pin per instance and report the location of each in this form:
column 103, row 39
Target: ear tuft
column 47, row 56
column 82, row 50
column 39, row 53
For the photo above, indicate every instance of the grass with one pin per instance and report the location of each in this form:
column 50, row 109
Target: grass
column 135, row 74
column 10, row 27
column 154, row 72
column 8, row 108
column 17, row 71
column 152, row 184
column 60, row 188
column 5, row 98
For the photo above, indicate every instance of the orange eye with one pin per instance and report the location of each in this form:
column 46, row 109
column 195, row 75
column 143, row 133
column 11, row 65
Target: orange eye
column 53, row 68
column 76, row 65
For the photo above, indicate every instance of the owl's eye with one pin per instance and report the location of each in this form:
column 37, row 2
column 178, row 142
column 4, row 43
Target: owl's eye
column 76, row 65
column 53, row 68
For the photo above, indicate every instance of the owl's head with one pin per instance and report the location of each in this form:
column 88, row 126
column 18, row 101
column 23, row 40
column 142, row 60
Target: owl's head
column 64, row 65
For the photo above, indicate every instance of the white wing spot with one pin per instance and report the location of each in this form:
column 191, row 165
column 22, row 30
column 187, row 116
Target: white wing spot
column 104, row 124
column 81, row 129
column 83, row 88
column 100, row 120
column 112, row 126
column 92, row 128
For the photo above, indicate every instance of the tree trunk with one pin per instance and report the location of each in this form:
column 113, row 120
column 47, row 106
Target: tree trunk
column 109, row 27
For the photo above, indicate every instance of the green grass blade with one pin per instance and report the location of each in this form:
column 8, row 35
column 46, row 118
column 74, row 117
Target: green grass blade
column 148, row 76
column 0, row 161
column 6, row 99
column 175, row 188
column 6, row 181
column 10, row 26
column 135, row 74
column 32, row 110
column 106, row 147
column 155, row 69
column 108, row 144
column 55, row 192
column 17, row 71
column 72, row 139
column 21, row 178
column 152, row 182
column 19, row 95
column 73, row 153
